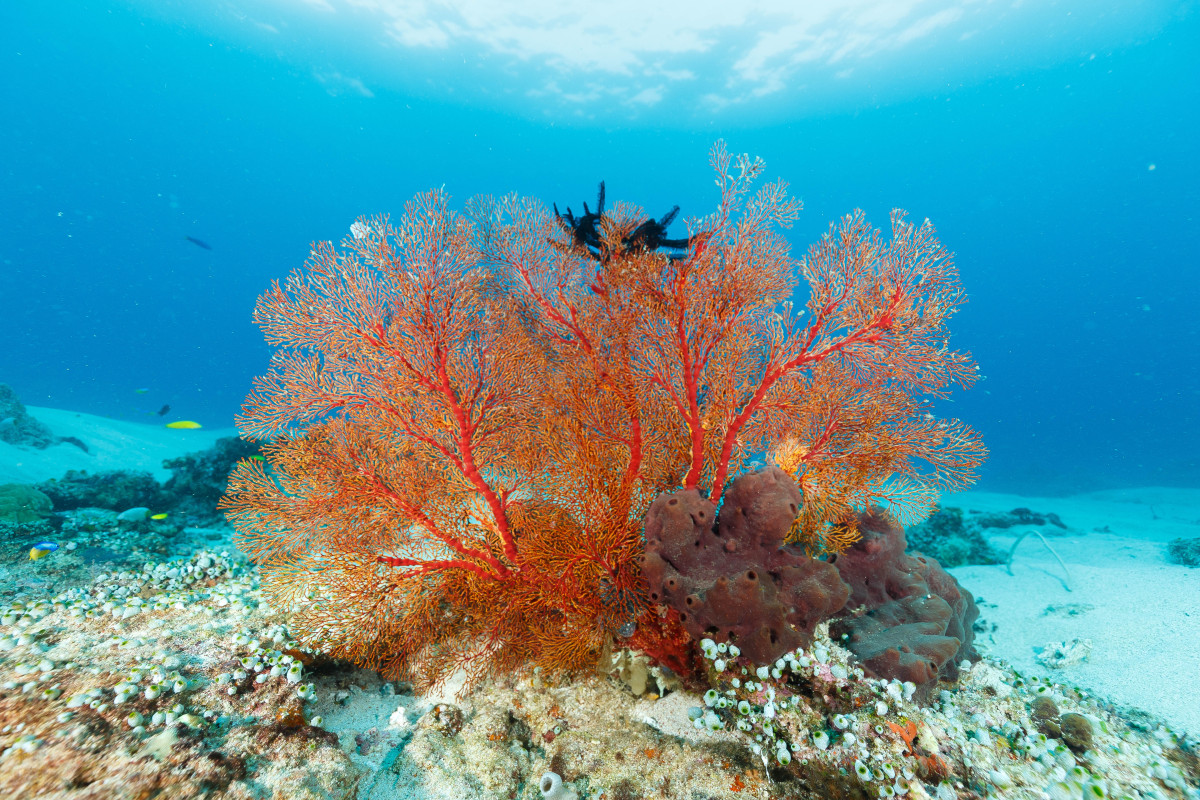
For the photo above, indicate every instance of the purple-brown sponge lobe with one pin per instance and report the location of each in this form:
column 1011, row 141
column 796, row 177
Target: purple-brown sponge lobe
column 734, row 579
column 737, row 581
column 917, row 626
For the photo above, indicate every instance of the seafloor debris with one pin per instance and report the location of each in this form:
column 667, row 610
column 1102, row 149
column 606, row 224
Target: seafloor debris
column 175, row 678
column 1184, row 551
column 951, row 538
column 1058, row 655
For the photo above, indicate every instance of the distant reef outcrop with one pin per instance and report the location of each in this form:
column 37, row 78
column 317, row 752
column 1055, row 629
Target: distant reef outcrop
column 17, row 426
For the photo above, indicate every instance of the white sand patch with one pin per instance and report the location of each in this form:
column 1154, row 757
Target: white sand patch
column 112, row 444
column 1141, row 613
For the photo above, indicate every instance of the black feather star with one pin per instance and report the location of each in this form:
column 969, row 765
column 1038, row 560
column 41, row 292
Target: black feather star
column 649, row 236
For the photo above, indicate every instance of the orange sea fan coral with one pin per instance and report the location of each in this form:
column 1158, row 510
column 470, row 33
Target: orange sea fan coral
column 470, row 414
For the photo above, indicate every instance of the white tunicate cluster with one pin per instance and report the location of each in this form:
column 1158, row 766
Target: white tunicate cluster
column 553, row 788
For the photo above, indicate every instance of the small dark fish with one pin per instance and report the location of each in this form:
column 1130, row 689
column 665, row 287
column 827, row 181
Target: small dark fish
column 198, row 243
column 162, row 412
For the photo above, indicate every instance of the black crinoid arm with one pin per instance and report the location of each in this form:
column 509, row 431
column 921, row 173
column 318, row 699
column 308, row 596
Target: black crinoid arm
column 584, row 231
column 651, row 235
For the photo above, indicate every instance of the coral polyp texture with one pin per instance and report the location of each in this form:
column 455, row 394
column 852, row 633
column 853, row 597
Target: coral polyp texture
column 470, row 415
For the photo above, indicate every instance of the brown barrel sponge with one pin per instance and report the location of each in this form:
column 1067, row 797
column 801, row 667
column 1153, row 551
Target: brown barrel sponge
column 917, row 625
column 734, row 579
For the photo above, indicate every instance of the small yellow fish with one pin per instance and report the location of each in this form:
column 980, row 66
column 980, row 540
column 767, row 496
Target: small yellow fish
column 158, row 516
column 41, row 550
column 257, row 458
column 184, row 424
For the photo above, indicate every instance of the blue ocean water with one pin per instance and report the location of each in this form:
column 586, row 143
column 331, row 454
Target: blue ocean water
column 1053, row 145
